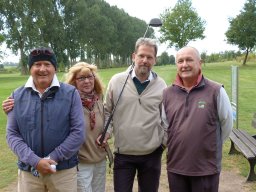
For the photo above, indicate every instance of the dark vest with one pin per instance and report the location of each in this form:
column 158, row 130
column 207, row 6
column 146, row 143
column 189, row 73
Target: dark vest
column 194, row 140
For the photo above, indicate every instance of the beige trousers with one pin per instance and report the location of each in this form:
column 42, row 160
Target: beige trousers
column 61, row 181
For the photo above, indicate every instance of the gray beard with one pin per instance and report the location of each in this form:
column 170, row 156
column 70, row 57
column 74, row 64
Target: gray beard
column 143, row 71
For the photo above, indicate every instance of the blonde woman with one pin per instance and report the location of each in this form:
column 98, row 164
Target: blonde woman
column 92, row 158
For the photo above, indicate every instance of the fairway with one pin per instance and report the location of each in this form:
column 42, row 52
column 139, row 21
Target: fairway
column 220, row 72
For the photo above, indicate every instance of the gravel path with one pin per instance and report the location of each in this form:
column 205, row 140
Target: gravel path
column 229, row 182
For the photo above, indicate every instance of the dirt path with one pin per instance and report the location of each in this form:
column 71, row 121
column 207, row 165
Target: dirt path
column 233, row 182
column 229, row 182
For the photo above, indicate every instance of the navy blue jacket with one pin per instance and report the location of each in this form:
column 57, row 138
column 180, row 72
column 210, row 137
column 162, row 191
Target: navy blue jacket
column 52, row 125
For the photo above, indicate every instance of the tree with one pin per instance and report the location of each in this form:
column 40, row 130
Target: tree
column 74, row 20
column 1, row 28
column 242, row 29
column 172, row 60
column 1, row 41
column 203, row 57
column 163, row 59
column 181, row 25
column 23, row 22
column 90, row 29
column 15, row 15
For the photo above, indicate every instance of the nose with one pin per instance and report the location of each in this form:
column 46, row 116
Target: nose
column 145, row 59
column 184, row 63
column 86, row 80
column 42, row 68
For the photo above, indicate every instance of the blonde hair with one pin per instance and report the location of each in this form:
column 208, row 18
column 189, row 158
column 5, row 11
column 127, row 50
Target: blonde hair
column 85, row 69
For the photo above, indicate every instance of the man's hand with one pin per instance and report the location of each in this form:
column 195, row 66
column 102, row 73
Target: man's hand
column 44, row 166
column 7, row 105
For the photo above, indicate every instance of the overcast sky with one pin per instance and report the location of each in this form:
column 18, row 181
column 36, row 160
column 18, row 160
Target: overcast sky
column 214, row 12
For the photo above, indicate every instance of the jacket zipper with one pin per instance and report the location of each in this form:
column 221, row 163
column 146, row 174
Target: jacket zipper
column 42, row 131
column 186, row 112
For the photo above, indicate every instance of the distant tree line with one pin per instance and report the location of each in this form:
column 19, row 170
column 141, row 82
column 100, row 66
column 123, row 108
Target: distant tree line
column 165, row 58
column 220, row 57
column 94, row 31
column 89, row 30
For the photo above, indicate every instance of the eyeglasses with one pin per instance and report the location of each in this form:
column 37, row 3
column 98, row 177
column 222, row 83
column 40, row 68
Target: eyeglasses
column 41, row 51
column 83, row 78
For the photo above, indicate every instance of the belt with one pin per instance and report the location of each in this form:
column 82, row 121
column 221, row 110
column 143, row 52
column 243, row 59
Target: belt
column 24, row 167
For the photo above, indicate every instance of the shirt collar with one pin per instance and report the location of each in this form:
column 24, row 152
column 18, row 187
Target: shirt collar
column 30, row 84
column 178, row 81
column 150, row 77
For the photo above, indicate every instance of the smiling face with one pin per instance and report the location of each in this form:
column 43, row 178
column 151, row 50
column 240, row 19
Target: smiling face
column 188, row 65
column 85, row 81
column 42, row 73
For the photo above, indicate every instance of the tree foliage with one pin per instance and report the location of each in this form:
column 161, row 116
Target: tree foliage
column 242, row 29
column 18, row 21
column 163, row 59
column 181, row 25
column 89, row 30
column 1, row 41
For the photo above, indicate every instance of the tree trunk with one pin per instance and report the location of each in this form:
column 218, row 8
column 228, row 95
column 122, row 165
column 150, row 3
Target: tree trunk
column 246, row 55
column 23, row 63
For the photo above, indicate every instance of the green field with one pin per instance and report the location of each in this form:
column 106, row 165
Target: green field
column 220, row 72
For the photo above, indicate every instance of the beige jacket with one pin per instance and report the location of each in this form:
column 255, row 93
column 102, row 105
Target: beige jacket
column 137, row 124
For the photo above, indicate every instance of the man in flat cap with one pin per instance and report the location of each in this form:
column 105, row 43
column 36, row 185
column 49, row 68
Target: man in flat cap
column 46, row 128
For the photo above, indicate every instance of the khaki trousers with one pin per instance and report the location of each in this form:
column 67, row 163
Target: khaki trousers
column 61, row 181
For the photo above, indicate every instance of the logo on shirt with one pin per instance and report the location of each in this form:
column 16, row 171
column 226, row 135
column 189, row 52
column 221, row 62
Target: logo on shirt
column 201, row 104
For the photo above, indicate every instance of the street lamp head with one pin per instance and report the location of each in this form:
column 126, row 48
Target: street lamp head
column 155, row 22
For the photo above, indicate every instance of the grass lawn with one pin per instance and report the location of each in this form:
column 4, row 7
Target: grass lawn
column 220, row 72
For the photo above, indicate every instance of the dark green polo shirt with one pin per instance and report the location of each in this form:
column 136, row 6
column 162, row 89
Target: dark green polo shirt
column 140, row 86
